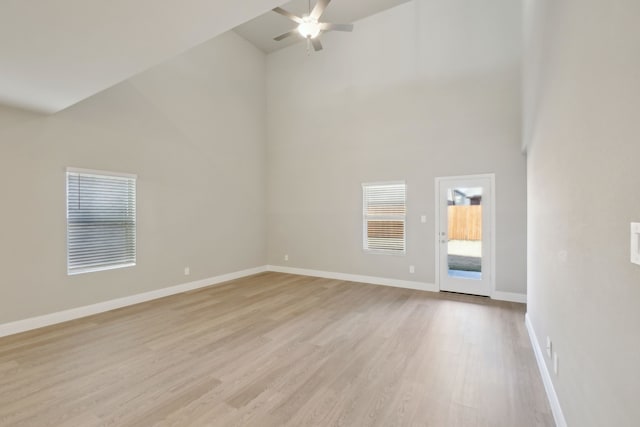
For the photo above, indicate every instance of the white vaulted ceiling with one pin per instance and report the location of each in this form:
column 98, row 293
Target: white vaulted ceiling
column 261, row 30
column 55, row 53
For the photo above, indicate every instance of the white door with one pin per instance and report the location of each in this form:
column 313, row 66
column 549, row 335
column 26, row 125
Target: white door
column 464, row 232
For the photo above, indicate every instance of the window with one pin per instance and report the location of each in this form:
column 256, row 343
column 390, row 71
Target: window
column 384, row 212
column 101, row 220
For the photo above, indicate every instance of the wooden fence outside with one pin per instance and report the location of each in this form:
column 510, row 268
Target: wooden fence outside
column 386, row 229
column 465, row 222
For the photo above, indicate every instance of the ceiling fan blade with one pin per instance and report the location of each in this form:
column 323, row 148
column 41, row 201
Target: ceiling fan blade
column 289, row 15
column 326, row 26
column 316, row 44
column 319, row 8
column 285, row 35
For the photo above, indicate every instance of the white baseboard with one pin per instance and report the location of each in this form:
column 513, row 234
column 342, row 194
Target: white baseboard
column 356, row 278
column 556, row 409
column 509, row 296
column 423, row 286
column 88, row 310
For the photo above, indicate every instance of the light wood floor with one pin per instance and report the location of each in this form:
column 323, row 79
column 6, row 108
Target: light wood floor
column 277, row 349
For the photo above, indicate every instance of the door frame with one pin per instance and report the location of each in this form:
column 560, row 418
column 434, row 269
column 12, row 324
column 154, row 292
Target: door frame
column 492, row 235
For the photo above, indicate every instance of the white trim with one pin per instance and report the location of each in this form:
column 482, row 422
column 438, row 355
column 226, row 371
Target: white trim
column 365, row 219
column 556, row 409
column 97, row 172
column 509, row 296
column 100, row 307
column 88, row 310
column 130, row 241
column 635, row 242
column 397, row 182
column 384, row 281
column 492, row 179
column 397, row 283
column 386, row 252
column 437, row 231
column 99, row 268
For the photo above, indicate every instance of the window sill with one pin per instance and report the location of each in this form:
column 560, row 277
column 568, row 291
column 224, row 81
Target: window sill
column 383, row 252
column 101, row 268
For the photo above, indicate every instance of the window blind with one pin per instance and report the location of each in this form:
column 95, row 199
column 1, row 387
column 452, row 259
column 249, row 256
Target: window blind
column 101, row 221
column 384, row 213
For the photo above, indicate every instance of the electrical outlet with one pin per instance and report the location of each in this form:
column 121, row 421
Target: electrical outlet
column 555, row 363
column 187, row 271
column 423, row 219
column 286, row 257
column 412, row 269
column 549, row 346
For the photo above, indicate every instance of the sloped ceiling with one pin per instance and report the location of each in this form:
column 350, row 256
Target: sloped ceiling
column 261, row 30
column 55, row 53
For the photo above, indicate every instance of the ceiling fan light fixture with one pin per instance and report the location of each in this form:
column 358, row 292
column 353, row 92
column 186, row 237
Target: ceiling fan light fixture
column 309, row 28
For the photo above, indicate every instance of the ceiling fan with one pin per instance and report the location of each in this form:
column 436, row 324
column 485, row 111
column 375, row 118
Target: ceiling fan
column 309, row 26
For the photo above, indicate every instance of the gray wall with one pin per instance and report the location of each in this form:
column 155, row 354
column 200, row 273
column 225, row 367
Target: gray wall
column 193, row 129
column 427, row 89
column 583, row 115
column 434, row 93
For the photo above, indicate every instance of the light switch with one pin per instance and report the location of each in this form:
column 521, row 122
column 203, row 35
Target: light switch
column 635, row 242
column 423, row 219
